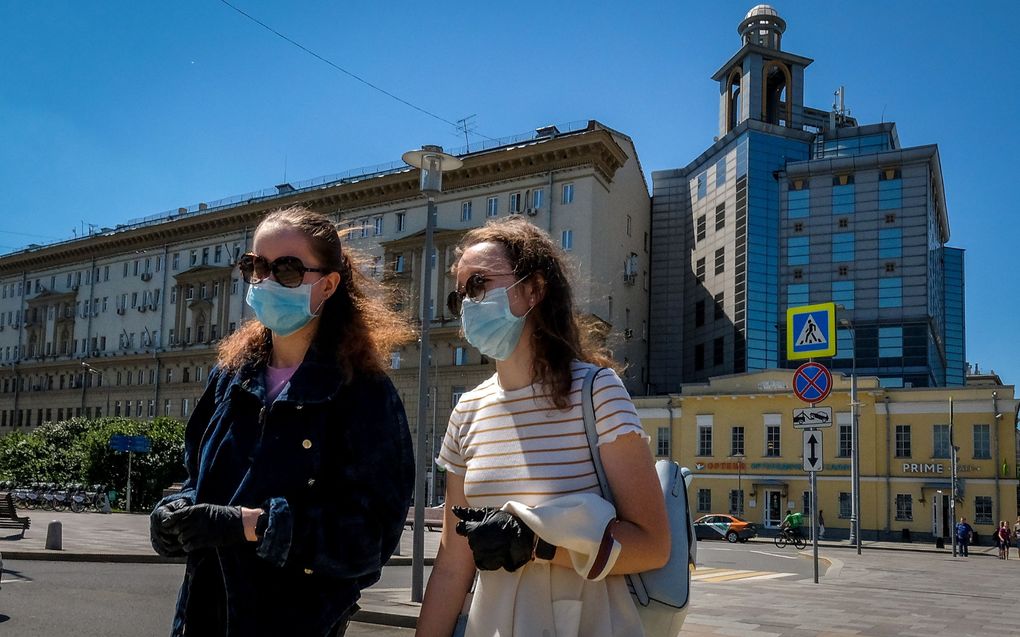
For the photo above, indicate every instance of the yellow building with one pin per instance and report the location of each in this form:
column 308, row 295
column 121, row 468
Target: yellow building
column 736, row 433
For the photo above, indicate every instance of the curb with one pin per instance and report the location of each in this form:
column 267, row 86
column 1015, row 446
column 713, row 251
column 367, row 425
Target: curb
column 385, row 619
column 59, row 556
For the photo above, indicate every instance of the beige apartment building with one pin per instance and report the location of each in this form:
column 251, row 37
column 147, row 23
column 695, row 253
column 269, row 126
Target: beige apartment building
column 125, row 321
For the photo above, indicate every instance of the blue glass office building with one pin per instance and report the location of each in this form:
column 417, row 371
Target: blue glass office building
column 793, row 205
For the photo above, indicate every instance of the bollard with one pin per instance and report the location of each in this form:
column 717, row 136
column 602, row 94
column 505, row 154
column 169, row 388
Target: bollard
column 54, row 536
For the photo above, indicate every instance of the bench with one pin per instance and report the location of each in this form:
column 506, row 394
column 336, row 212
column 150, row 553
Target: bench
column 9, row 518
column 433, row 518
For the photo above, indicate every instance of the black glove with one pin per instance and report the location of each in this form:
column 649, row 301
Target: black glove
column 163, row 541
column 203, row 526
column 497, row 539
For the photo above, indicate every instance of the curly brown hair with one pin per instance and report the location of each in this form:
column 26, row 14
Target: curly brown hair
column 560, row 334
column 355, row 322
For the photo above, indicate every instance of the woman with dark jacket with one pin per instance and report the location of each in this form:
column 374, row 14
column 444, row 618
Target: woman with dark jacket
column 299, row 460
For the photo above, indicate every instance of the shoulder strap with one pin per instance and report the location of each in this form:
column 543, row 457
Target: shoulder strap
column 588, row 407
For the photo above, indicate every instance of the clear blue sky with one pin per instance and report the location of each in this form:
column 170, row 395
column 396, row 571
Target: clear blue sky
column 116, row 110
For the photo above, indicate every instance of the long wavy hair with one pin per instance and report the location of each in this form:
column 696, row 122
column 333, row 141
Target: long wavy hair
column 355, row 323
column 560, row 334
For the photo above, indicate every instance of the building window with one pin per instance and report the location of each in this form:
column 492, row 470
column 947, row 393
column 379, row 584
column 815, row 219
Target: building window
column 718, row 350
column 567, row 240
column 720, row 260
column 705, row 436
column 940, row 441
column 702, row 185
column 662, row 443
column 904, row 504
column 699, row 269
column 890, row 218
column 398, row 264
column 515, row 203
column 378, row 223
column 720, row 311
column 845, row 507
column 890, row 292
column 845, row 441
column 890, row 243
column 798, row 227
column 798, row 251
column 843, row 293
column 699, row 314
column 459, row 356
column 492, row 206
column 700, row 234
column 699, row 357
column 455, row 393
column 736, row 441
column 890, row 342
column 798, row 274
column 982, row 447
column 465, row 211
column 843, row 222
column 843, row 270
column 704, row 500
column 394, row 360
column 736, row 502
column 568, row 194
column 796, row 294
column 799, row 202
column 536, row 199
column 890, row 266
column 772, row 441
column 843, row 198
column 890, row 189
column 720, row 172
column 843, row 246
column 401, row 221
column 983, row 509
column 903, row 441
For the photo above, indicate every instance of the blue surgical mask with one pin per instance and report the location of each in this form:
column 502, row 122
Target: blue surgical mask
column 489, row 324
column 283, row 310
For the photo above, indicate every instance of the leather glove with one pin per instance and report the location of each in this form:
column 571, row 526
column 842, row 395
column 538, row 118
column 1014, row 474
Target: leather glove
column 203, row 526
column 163, row 541
column 497, row 539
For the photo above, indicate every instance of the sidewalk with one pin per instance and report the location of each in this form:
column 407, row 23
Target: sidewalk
column 121, row 537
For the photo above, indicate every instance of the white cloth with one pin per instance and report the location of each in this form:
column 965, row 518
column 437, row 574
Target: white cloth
column 542, row 600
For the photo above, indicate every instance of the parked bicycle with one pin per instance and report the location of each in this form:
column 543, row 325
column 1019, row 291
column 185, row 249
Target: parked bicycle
column 790, row 536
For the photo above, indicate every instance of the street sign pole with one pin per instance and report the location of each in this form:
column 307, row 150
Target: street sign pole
column 813, row 464
column 814, row 519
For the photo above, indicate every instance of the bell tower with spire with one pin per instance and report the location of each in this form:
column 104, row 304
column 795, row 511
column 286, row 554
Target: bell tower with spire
column 761, row 81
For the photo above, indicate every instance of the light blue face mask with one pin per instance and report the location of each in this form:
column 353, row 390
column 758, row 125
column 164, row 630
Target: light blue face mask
column 490, row 326
column 283, row 310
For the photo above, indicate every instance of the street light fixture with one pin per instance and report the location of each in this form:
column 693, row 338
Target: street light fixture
column 855, row 440
column 432, row 162
column 95, row 372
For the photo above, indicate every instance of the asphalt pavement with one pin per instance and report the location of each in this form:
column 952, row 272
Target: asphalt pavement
column 892, row 589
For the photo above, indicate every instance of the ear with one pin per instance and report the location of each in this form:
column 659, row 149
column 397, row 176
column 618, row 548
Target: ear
column 330, row 285
column 535, row 289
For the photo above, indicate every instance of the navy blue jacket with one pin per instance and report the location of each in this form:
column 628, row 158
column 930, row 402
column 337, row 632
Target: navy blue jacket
column 331, row 461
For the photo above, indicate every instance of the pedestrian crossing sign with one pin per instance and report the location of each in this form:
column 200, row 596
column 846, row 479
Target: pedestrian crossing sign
column 811, row 331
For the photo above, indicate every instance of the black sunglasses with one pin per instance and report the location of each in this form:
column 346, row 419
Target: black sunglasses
column 474, row 289
column 288, row 271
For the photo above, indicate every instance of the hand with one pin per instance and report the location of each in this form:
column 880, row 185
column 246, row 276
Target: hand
column 203, row 526
column 497, row 539
column 163, row 541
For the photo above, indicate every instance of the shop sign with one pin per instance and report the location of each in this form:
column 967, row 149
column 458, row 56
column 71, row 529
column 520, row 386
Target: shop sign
column 923, row 467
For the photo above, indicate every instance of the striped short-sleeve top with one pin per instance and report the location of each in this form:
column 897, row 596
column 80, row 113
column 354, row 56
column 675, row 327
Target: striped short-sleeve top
column 516, row 445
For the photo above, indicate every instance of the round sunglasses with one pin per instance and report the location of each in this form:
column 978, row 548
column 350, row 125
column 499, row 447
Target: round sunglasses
column 288, row 271
column 474, row 289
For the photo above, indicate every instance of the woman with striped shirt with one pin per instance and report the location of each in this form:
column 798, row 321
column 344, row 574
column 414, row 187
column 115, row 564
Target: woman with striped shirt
column 520, row 477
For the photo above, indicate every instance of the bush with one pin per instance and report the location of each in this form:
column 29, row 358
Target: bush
column 78, row 450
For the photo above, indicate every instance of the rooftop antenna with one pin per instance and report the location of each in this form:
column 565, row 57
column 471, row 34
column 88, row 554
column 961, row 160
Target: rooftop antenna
column 466, row 125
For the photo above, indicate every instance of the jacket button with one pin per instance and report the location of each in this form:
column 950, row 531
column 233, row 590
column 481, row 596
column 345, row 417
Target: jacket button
column 308, row 571
column 299, row 406
column 311, row 482
column 306, row 443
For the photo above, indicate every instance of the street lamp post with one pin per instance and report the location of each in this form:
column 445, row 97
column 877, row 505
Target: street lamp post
column 739, row 509
column 95, row 372
column 855, row 441
column 432, row 162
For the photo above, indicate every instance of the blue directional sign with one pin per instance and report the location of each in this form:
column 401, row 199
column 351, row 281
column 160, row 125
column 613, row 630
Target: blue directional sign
column 138, row 444
column 811, row 331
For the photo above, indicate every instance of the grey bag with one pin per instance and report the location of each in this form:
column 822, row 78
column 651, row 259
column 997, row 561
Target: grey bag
column 662, row 596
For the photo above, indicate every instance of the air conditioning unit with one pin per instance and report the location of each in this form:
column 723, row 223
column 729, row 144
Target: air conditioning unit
column 153, row 306
column 141, row 308
column 628, row 333
column 95, row 353
column 146, row 276
column 531, row 212
column 121, row 311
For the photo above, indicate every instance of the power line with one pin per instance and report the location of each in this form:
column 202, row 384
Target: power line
column 340, row 68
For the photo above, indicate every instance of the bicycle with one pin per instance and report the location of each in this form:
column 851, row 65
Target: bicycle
column 789, row 536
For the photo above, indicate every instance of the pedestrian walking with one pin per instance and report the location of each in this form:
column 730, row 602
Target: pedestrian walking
column 964, row 534
column 515, row 449
column 821, row 525
column 1016, row 537
column 298, row 454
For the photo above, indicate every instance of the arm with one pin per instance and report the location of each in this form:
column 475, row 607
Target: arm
column 641, row 526
column 452, row 573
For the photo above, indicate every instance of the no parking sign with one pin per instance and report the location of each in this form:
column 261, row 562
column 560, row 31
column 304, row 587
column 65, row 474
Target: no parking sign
column 812, row 382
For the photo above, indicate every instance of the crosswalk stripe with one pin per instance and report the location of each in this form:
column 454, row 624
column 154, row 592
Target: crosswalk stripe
column 771, row 576
column 742, row 575
column 717, row 575
column 703, row 574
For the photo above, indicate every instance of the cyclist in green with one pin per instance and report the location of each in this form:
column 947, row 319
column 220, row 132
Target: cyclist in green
column 792, row 522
